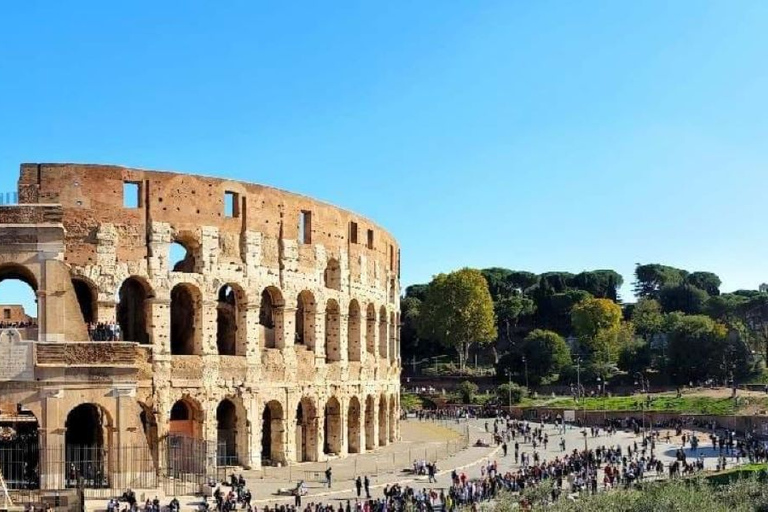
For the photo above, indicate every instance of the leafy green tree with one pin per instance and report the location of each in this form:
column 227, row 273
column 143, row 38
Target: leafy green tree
column 685, row 298
column 510, row 393
column 707, row 281
column 634, row 356
column 498, row 284
column 591, row 316
column 603, row 284
column 648, row 318
column 697, row 349
column 651, row 278
column 547, row 355
column 726, row 306
column 458, row 312
column 467, row 390
column 417, row 291
column 509, row 311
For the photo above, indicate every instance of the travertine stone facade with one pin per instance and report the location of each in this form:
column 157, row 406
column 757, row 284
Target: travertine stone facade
column 272, row 334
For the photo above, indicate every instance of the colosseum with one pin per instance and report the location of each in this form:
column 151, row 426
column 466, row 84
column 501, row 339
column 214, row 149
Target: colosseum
column 188, row 323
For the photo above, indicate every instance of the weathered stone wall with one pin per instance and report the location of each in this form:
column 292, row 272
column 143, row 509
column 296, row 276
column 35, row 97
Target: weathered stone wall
column 218, row 330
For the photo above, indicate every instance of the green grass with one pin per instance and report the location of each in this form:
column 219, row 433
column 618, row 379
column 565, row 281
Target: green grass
column 660, row 403
column 728, row 476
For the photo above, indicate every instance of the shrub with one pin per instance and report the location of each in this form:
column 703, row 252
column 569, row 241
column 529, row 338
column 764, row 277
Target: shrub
column 510, row 392
column 467, row 390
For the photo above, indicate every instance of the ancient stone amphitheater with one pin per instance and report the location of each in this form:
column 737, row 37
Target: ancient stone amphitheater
column 241, row 326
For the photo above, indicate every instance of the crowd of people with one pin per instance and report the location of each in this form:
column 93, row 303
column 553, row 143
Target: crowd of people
column 104, row 331
column 29, row 324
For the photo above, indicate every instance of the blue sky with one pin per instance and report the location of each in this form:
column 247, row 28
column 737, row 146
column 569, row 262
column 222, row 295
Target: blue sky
column 531, row 135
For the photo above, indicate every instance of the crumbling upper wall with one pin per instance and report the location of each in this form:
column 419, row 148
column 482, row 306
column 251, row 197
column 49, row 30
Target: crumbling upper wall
column 92, row 195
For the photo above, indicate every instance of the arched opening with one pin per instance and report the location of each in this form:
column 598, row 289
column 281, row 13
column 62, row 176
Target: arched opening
column 332, row 427
column 230, row 316
column 132, row 310
column 86, row 299
column 183, row 253
column 226, row 425
column 18, row 300
column 383, row 332
column 392, row 419
column 370, row 423
column 370, row 330
column 85, row 446
column 19, row 447
column 353, row 426
column 185, row 314
column 272, row 432
column 332, row 275
column 392, row 289
column 305, row 319
column 186, row 419
column 270, row 315
column 186, row 451
column 306, row 431
column 354, row 345
column 332, row 338
column 392, row 337
column 383, row 429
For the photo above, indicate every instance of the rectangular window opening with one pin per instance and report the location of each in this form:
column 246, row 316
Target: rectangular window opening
column 305, row 227
column 391, row 257
column 370, row 239
column 231, row 204
column 131, row 194
column 353, row 232
column 7, row 314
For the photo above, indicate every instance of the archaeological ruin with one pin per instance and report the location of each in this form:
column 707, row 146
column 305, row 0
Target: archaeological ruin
column 187, row 323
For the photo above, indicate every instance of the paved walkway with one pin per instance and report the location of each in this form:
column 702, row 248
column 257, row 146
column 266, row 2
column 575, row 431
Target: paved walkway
column 265, row 486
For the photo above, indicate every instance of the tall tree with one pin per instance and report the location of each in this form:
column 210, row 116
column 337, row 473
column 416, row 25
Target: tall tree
column 458, row 312
column 706, row 281
column 603, row 284
column 590, row 316
column 648, row 318
column 685, row 298
column 651, row 278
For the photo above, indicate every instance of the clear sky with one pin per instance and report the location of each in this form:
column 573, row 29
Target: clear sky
column 531, row 135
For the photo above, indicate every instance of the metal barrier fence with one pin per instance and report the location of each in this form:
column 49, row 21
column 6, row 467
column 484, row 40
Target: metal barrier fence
column 9, row 198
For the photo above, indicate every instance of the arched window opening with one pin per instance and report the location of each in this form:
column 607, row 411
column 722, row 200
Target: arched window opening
column 383, row 429
column 305, row 319
column 132, row 308
column 354, row 343
column 332, row 335
column 332, row 427
column 185, row 303
column 18, row 300
column 186, row 419
column 332, row 275
column 392, row 290
column 86, row 447
column 19, row 442
column 270, row 316
column 226, row 424
column 183, row 254
column 383, row 332
column 392, row 337
column 353, row 426
column 306, row 431
column 86, row 299
column 180, row 412
column 229, row 317
column 272, row 431
column 370, row 423
column 370, row 330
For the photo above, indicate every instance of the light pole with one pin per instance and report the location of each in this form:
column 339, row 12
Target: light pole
column 525, row 362
column 509, row 388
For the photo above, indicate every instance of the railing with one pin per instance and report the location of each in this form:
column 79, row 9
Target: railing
column 99, row 354
column 9, row 198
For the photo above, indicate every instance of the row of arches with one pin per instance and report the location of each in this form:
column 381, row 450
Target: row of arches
column 365, row 329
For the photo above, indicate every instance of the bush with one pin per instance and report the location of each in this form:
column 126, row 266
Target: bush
column 510, row 392
column 467, row 390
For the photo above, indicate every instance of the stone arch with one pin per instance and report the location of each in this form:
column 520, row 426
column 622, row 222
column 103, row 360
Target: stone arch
column 87, row 442
column 226, row 434
column 306, row 430
column 133, row 309
column 19, row 442
column 231, row 309
column 332, row 426
column 392, row 337
column 332, row 275
column 270, row 315
column 370, row 329
column 370, row 423
column 392, row 419
column 273, row 433
column 186, row 335
column 184, row 252
column 86, row 293
column 16, row 281
column 332, row 334
column 186, row 419
column 383, row 430
column 383, row 332
column 353, row 426
column 306, row 311
column 354, row 343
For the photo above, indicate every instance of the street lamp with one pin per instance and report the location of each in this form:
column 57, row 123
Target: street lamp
column 508, row 372
column 525, row 362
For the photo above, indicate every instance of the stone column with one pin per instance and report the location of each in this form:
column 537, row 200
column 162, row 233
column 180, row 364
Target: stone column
column 205, row 328
column 52, row 451
column 159, row 324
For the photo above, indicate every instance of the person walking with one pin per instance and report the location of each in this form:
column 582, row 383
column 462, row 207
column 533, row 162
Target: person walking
column 367, row 485
column 358, row 485
column 328, row 476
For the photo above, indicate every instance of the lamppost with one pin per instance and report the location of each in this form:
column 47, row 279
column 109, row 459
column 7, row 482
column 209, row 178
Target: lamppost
column 508, row 372
column 525, row 362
